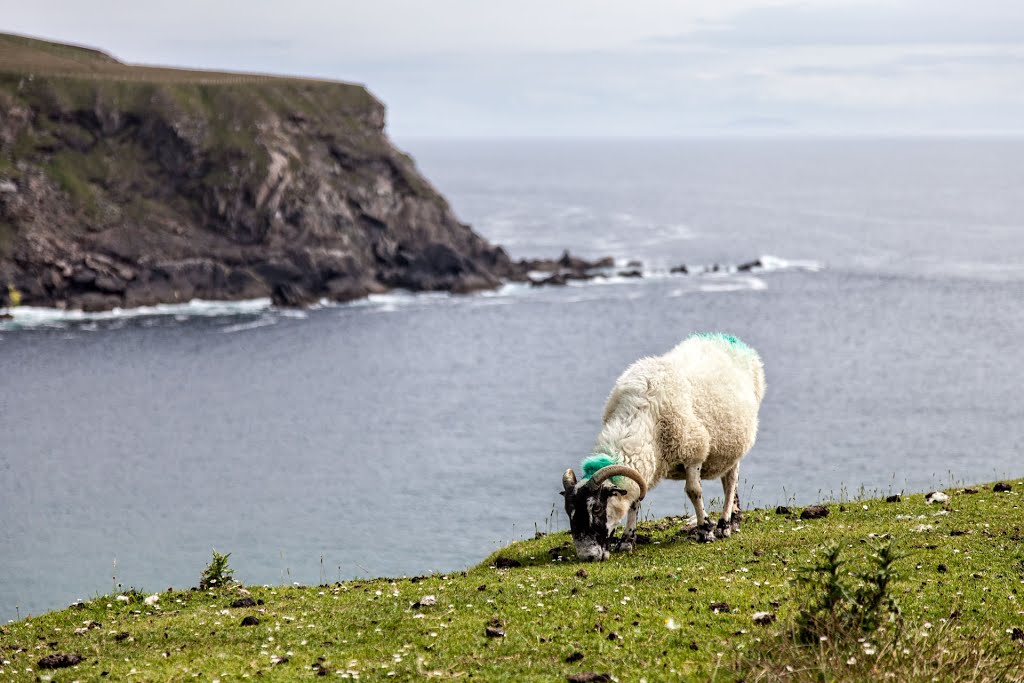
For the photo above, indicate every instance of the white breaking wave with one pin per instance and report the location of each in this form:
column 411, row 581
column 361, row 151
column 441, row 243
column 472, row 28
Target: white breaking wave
column 255, row 324
column 735, row 285
column 769, row 263
column 37, row 316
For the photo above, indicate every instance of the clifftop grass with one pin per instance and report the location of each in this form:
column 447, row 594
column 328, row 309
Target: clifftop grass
column 31, row 56
column 673, row 609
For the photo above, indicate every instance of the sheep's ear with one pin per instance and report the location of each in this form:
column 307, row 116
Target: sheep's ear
column 568, row 481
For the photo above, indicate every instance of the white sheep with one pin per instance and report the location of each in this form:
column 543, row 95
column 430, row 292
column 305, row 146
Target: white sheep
column 690, row 414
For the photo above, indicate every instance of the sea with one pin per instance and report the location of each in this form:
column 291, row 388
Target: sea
column 416, row 433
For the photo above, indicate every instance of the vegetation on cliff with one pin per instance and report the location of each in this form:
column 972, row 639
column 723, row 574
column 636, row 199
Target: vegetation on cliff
column 950, row 608
column 124, row 185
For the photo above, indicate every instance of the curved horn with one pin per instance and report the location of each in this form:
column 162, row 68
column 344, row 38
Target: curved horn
column 569, row 480
column 605, row 473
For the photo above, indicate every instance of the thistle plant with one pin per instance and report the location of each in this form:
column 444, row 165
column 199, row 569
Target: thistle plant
column 833, row 607
column 217, row 573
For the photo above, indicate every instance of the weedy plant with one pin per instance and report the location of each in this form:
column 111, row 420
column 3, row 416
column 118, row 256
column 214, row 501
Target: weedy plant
column 840, row 604
column 13, row 297
column 850, row 628
column 217, row 573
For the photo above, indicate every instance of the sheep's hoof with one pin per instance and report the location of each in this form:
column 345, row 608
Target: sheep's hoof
column 723, row 529
column 625, row 546
column 705, row 533
column 737, row 521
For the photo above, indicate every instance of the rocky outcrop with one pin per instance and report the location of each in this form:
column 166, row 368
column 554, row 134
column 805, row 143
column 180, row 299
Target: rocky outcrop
column 128, row 186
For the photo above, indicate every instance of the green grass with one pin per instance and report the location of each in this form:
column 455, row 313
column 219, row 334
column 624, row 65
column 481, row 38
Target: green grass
column 24, row 55
column 615, row 614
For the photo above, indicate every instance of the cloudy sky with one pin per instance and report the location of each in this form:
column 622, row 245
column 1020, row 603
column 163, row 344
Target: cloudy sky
column 598, row 67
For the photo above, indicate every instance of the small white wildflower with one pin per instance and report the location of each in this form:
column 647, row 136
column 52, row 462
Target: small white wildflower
column 671, row 624
column 851, row 661
column 123, row 598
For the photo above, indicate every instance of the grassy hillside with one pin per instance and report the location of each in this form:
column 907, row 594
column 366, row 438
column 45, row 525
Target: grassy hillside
column 672, row 610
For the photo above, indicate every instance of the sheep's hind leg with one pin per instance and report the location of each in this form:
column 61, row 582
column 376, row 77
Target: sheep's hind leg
column 628, row 540
column 737, row 515
column 725, row 522
column 705, row 531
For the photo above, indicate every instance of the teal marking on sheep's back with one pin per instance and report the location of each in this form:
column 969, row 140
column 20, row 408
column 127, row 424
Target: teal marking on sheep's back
column 593, row 463
column 729, row 339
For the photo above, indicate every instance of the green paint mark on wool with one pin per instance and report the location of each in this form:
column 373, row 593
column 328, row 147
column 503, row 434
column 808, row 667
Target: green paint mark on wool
column 732, row 340
column 595, row 462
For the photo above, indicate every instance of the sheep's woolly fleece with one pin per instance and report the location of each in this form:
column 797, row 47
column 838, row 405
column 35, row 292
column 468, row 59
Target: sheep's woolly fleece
column 729, row 339
column 593, row 463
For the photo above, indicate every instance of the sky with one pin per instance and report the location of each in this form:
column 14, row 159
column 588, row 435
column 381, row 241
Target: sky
column 596, row 68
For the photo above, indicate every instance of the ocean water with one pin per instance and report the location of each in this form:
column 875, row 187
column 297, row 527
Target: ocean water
column 408, row 434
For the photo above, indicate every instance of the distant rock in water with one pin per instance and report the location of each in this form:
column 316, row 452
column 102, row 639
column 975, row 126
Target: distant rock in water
column 124, row 186
column 566, row 268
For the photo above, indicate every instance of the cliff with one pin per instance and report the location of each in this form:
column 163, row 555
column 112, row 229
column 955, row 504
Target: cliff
column 123, row 185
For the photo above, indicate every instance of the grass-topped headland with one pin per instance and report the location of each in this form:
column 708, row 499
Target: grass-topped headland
column 952, row 609
column 125, row 185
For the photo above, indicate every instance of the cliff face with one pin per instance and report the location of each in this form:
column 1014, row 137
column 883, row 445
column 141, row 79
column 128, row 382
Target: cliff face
column 127, row 186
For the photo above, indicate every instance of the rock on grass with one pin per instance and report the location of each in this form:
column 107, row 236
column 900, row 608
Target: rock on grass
column 507, row 563
column 60, row 660
column 814, row 512
column 495, row 628
column 250, row 621
column 244, row 602
column 1002, row 487
column 589, row 677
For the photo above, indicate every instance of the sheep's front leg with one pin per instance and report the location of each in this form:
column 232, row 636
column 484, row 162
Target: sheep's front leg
column 628, row 541
column 705, row 531
column 725, row 522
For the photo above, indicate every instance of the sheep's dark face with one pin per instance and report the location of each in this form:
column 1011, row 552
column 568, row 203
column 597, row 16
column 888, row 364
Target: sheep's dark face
column 593, row 514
